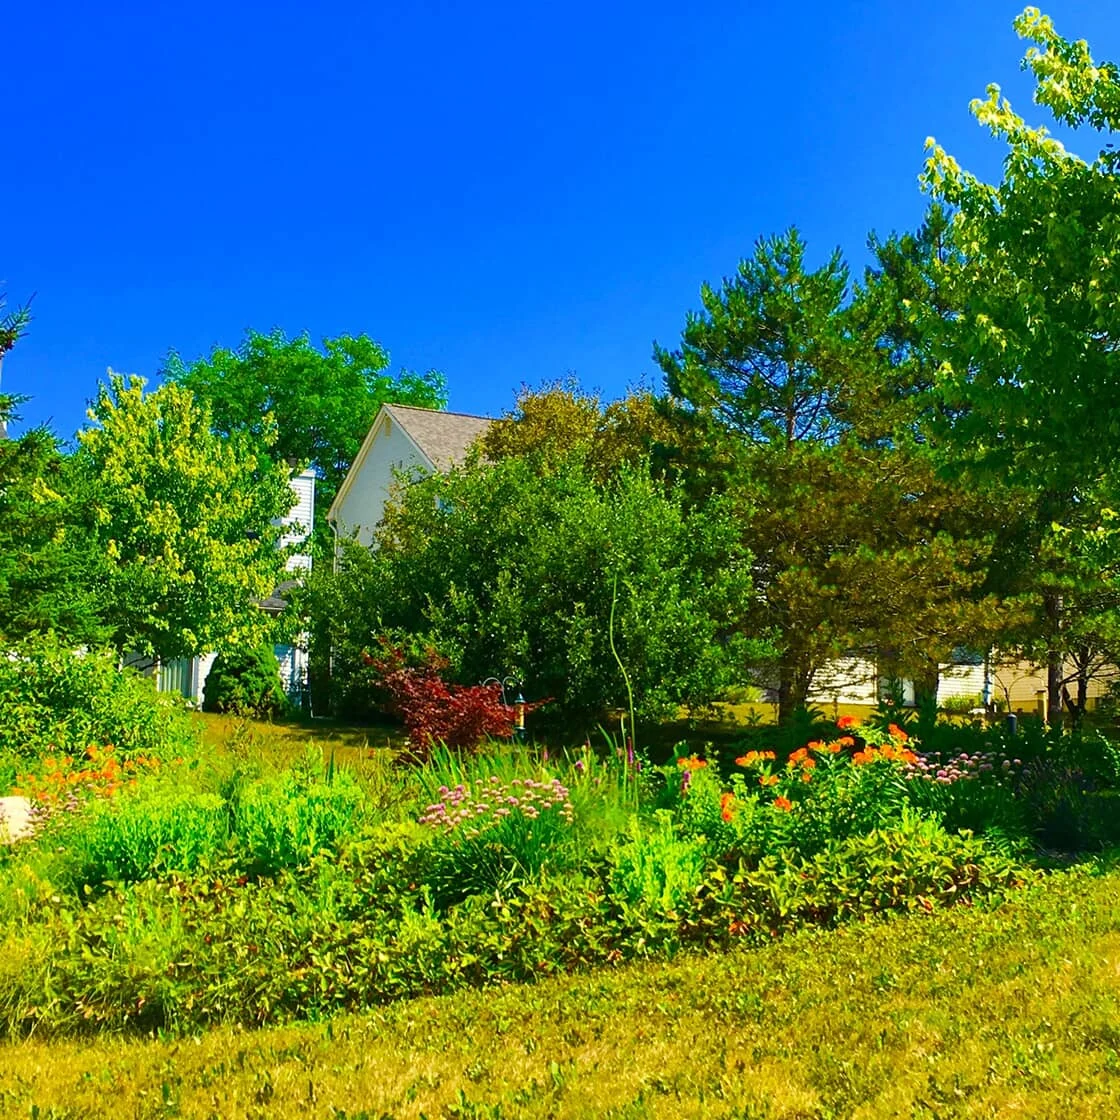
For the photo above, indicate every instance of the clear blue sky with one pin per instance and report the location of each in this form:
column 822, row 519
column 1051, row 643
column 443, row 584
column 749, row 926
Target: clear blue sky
column 506, row 192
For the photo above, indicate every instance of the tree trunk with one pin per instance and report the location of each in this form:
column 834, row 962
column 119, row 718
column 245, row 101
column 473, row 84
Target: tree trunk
column 1082, row 685
column 1052, row 604
column 926, row 683
column 793, row 689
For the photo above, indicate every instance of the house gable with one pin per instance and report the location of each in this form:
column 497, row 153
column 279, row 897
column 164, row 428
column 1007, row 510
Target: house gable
column 400, row 438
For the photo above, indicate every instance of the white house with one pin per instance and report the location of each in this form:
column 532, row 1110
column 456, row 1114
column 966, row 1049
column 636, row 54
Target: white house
column 401, row 438
column 187, row 675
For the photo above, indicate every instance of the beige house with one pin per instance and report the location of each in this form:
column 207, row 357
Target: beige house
column 402, row 439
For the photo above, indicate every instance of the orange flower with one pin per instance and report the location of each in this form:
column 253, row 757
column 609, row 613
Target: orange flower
column 798, row 756
column 692, row 763
column 844, row 722
column 896, row 732
column 783, row 803
column 767, row 755
column 845, row 741
column 727, row 806
column 817, row 745
column 768, row 779
column 868, row 754
column 806, row 776
column 747, row 759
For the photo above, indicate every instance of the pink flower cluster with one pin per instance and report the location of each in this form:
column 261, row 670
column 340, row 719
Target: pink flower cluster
column 479, row 806
column 963, row 767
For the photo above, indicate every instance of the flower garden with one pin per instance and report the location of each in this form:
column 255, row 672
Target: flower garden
column 173, row 884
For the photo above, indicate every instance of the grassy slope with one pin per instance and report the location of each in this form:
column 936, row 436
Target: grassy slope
column 1014, row 1013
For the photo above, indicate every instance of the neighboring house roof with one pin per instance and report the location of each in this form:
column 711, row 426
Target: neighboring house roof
column 275, row 603
column 441, row 439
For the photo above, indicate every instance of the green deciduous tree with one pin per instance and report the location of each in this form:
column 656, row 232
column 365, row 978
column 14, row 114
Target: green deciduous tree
column 49, row 561
column 299, row 402
column 47, row 556
column 1031, row 361
column 560, row 419
column 510, row 567
column 1029, row 364
column 185, row 520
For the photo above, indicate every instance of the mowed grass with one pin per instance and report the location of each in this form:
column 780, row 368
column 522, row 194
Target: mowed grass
column 1008, row 1013
column 282, row 743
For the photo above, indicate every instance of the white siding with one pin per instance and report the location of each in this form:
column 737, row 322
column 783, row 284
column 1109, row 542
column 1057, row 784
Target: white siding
column 300, row 520
column 293, row 669
column 846, row 680
column 960, row 680
column 363, row 505
column 202, row 667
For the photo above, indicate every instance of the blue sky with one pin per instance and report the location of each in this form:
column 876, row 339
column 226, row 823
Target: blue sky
column 507, row 193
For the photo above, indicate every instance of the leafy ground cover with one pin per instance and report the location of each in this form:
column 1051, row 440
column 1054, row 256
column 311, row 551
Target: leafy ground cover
column 966, row 1013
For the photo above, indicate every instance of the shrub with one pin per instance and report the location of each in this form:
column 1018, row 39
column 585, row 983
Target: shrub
column 510, row 566
column 246, row 681
column 56, row 699
column 962, row 705
column 435, row 712
column 283, row 822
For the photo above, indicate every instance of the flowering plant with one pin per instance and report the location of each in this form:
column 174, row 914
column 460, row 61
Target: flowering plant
column 493, row 832
column 823, row 791
column 476, row 808
column 65, row 782
column 974, row 790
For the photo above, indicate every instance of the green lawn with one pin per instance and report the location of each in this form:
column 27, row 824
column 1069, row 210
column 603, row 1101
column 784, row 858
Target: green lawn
column 1010, row 1013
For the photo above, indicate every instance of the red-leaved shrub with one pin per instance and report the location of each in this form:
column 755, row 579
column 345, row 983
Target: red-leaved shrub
column 433, row 711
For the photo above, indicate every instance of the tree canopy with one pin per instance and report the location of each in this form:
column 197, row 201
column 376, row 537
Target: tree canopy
column 298, row 402
column 1030, row 363
column 858, row 544
column 186, row 521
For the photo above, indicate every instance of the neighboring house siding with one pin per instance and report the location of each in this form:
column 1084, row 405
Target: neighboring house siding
column 1026, row 684
column 960, row 681
column 846, row 680
column 300, row 520
column 361, row 508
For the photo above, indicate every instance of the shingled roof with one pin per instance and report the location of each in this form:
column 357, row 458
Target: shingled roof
column 444, row 437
